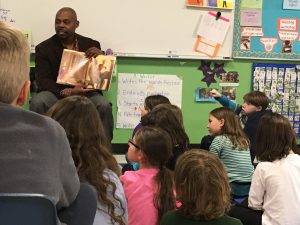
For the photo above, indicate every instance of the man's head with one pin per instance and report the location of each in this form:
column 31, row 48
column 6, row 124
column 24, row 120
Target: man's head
column 14, row 66
column 66, row 23
column 254, row 101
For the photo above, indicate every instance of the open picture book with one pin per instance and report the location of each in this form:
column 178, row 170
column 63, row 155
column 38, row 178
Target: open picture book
column 94, row 73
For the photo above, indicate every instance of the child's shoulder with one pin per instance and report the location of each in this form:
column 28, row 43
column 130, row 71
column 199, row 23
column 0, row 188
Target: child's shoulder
column 133, row 176
column 171, row 217
column 174, row 218
column 255, row 116
column 230, row 220
column 221, row 138
column 111, row 175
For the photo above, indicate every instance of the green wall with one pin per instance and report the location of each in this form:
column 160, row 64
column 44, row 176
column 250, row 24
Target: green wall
column 195, row 114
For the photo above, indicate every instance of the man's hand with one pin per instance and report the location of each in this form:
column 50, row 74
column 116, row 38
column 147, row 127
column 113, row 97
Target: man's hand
column 214, row 93
column 77, row 90
column 93, row 52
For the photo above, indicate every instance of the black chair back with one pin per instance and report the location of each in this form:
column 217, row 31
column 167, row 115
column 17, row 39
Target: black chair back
column 27, row 209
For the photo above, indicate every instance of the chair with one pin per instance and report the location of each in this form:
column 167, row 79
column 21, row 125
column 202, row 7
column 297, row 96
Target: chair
column 27, row 209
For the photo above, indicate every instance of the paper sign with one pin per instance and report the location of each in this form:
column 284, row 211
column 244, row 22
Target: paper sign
column 251, row 4
column 288, row 35
column 206, row 47
column 134, row 88
column 288, row 24
column 269, row 43
column 251, row 17
column 212, row 29
column 291, row 4
column 252, row 31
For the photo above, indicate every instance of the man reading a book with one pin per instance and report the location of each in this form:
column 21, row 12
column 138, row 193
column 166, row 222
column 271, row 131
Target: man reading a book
column 47, row 62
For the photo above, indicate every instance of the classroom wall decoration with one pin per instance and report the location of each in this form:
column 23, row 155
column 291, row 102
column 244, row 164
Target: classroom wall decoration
column 266, row 29
column 210, row 70
column 291, row 4
column 214, row 72
column 203, row 95
column 155, row 29
column 281, row 83
column 226, row 4
column 134, row 88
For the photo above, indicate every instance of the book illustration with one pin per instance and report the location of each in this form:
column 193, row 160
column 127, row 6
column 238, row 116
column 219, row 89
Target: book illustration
column 95, row 73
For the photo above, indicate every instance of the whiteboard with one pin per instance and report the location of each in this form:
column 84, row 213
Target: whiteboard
column 145, row 28
column 134, row 88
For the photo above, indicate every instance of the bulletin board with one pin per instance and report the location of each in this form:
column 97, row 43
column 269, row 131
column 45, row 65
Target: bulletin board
column 272, row 11
column 131, row 28
column 281, row 84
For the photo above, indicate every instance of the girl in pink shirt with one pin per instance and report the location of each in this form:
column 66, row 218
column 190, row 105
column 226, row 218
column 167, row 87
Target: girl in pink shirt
column 149, row 191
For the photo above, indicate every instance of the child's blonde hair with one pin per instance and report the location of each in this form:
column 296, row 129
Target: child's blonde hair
column 14, row 62
column 202, row 185
column 232, row 127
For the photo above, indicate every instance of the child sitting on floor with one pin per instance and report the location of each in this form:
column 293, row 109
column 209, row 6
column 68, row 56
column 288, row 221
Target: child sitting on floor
column 250, row 112
column 149, row 191
column 232, row 146
column 202, row 188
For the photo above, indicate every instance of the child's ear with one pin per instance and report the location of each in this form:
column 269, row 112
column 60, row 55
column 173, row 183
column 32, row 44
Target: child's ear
column 22, row 96
column 140, row 155
column 258, row 108
column 222, row 121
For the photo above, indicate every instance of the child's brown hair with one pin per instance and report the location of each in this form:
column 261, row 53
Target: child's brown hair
column 202, row 185
column 257, row 98
column 90, row 148
column 275, row 138
column 153, row 100
column 232, row 127
column 156, row 146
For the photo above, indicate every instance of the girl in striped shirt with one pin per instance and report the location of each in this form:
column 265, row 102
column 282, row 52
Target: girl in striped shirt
column 232, row 146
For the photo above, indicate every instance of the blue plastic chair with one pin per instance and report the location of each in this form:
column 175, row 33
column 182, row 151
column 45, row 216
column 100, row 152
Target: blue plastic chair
column 27, row 209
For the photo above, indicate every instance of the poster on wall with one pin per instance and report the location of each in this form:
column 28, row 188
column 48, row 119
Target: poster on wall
column 224, row 4
column 133, row 88
column 291, row 4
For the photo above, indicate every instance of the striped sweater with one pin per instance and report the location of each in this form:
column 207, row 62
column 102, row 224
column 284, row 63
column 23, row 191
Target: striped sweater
column 237, row 162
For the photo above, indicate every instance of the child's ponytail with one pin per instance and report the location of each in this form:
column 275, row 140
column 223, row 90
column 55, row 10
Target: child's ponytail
column 164, row 199
column 156, row 146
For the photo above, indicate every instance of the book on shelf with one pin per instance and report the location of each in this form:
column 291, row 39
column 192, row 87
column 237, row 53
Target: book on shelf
column 94, row 73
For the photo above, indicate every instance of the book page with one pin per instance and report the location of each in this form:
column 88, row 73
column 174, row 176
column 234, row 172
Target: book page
column 73, row 68
column 94, row 73
column 100, row 72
